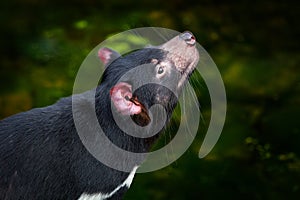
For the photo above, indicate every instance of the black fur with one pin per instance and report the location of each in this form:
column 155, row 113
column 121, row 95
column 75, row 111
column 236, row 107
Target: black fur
column 41, row 154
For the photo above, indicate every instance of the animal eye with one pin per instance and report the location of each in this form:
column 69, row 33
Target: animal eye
column 160, row 70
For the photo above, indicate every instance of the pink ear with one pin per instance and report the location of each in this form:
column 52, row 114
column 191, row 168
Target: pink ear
column 120, row 94
column 107, row 55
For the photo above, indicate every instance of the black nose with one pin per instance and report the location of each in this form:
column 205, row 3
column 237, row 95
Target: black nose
column 188, row 37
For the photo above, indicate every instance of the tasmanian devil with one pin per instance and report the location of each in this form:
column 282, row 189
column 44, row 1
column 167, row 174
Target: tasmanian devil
column 42, row 155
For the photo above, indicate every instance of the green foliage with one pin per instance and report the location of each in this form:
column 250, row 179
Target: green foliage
column 255, row 45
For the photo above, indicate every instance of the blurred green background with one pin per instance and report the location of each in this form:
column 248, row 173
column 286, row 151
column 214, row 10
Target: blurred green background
column 255, row 44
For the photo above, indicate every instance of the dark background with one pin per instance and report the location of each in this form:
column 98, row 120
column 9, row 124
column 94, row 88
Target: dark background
column 255, row 45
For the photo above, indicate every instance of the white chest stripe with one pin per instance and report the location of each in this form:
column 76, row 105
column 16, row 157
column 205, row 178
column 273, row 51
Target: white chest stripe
column 101, row 196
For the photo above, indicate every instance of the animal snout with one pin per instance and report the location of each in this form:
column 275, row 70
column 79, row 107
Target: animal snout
column 188, row 37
